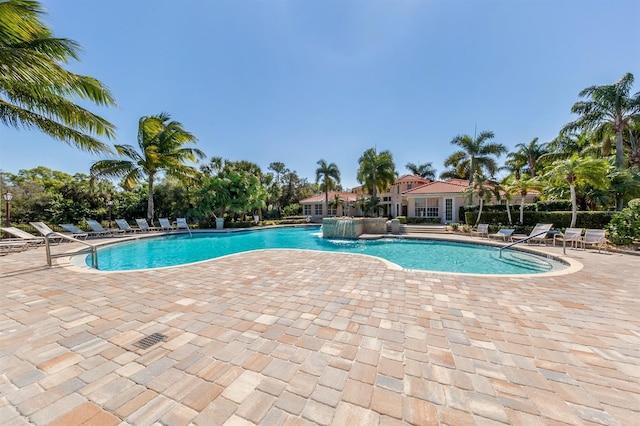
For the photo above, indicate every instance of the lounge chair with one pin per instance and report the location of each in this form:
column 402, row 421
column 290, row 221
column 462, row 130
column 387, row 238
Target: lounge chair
column 96, row 227
column 595, row 237
column 181, row 223
column 144, row 225
column 124, row 226
column 31, row 239
column 46, row 232
column 504, row 234
column 537, row 235
column 75, row 231
column 12, row 245
column 482, row 230
column 573, row 236
column 165, row 225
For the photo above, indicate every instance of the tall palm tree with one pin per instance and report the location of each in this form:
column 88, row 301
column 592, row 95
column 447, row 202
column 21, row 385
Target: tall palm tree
column 329, row 174
column 36, row 91
column 608, row 107
column 578, row 171
column 476, row 154
column 377, row 171
column 528, row 154
column 522, row 187
column 425, row 170
column 161, row 149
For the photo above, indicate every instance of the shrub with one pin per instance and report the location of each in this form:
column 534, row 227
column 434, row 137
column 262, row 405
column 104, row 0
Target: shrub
column 559, row 220
column 624, row 227
column 553, row 205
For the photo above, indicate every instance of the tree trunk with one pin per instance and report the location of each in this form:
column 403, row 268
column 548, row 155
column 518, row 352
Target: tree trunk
column 508, row 212
column 522, row 210
column 479, row 212
column 574, row 206
column 620, row 165
column 150, row 200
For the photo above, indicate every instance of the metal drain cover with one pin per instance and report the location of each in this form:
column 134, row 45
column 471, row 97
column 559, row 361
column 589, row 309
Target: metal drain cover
column 149, row 341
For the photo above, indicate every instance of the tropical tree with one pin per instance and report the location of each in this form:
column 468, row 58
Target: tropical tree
column 425, row 170
column 337, row 202
column 528, row 155
column 329, row 176
column 576, row 171
column 36, row 92
column 377, row 171
column 485, row 189
column 476, row 155
column 522, row 187
column 161, row 145
column 607, row 108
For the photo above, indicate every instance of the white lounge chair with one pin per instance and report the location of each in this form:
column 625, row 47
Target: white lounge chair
column 76, row 232
column 595, row 237
column 165, row 225
column 537, row 235
column 504, row 234
column 31, row 239
column 144, row 225
column 46, row 232
column 12, row 245
column 96, row 227
column 573, row 236
column 124, row 226
column 482, row 230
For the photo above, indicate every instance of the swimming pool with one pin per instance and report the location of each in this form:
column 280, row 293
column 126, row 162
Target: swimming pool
column 431, row 255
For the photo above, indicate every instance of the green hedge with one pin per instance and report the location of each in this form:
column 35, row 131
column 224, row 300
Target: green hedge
column 560, row 220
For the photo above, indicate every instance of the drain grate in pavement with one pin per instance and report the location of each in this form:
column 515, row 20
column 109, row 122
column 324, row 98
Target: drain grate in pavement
column 149, row 341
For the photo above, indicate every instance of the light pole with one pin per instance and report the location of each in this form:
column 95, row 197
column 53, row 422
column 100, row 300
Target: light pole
column 110, row 204
column 8, row 196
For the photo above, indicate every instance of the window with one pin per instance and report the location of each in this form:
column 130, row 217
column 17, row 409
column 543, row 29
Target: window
column 318, row 209
column 409, row 186
column 306, row 210
column 432, row 207
column 420, row 208
column 332, row 211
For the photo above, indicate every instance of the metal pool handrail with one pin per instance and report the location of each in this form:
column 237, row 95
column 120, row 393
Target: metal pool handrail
column 92, row 247
column 520, row 241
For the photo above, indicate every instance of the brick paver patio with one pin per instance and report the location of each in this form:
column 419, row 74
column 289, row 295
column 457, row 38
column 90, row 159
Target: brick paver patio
column 287, row 337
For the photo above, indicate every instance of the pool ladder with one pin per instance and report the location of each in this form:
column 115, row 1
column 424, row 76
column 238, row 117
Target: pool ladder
column 92, row 248
column 525, row 240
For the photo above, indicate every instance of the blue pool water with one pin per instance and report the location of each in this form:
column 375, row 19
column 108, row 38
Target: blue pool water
column 429, row 255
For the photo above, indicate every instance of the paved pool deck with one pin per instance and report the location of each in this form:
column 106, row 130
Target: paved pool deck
column 286, row 337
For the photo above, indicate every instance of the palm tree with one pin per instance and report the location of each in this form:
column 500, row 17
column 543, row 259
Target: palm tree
column 485, row 188
column 476, row 155
column 337, row 202
column 425, row 170
column 528, row 154
column 329, row 174
column 161, row 144
column 578, row 171
column 377, row 172
column 523, row 187
column 36, row 91
column 608, row 107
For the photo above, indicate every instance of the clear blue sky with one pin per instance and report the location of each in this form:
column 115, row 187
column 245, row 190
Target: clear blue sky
column 299, row 81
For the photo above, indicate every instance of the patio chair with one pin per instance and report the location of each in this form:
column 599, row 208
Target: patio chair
column 503, row 233
column 144, row 225
column 124, row 226
column 482, row 230
column 12, row 245
column 573, row 236
column 595, row 237
column 44, row 229
column 31, row 239
column 75, row 231
column 165, row 225
column 537, row 235
column 96, row 227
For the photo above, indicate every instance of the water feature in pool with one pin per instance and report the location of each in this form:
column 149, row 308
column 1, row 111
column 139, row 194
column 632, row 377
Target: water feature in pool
column 432, row 255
